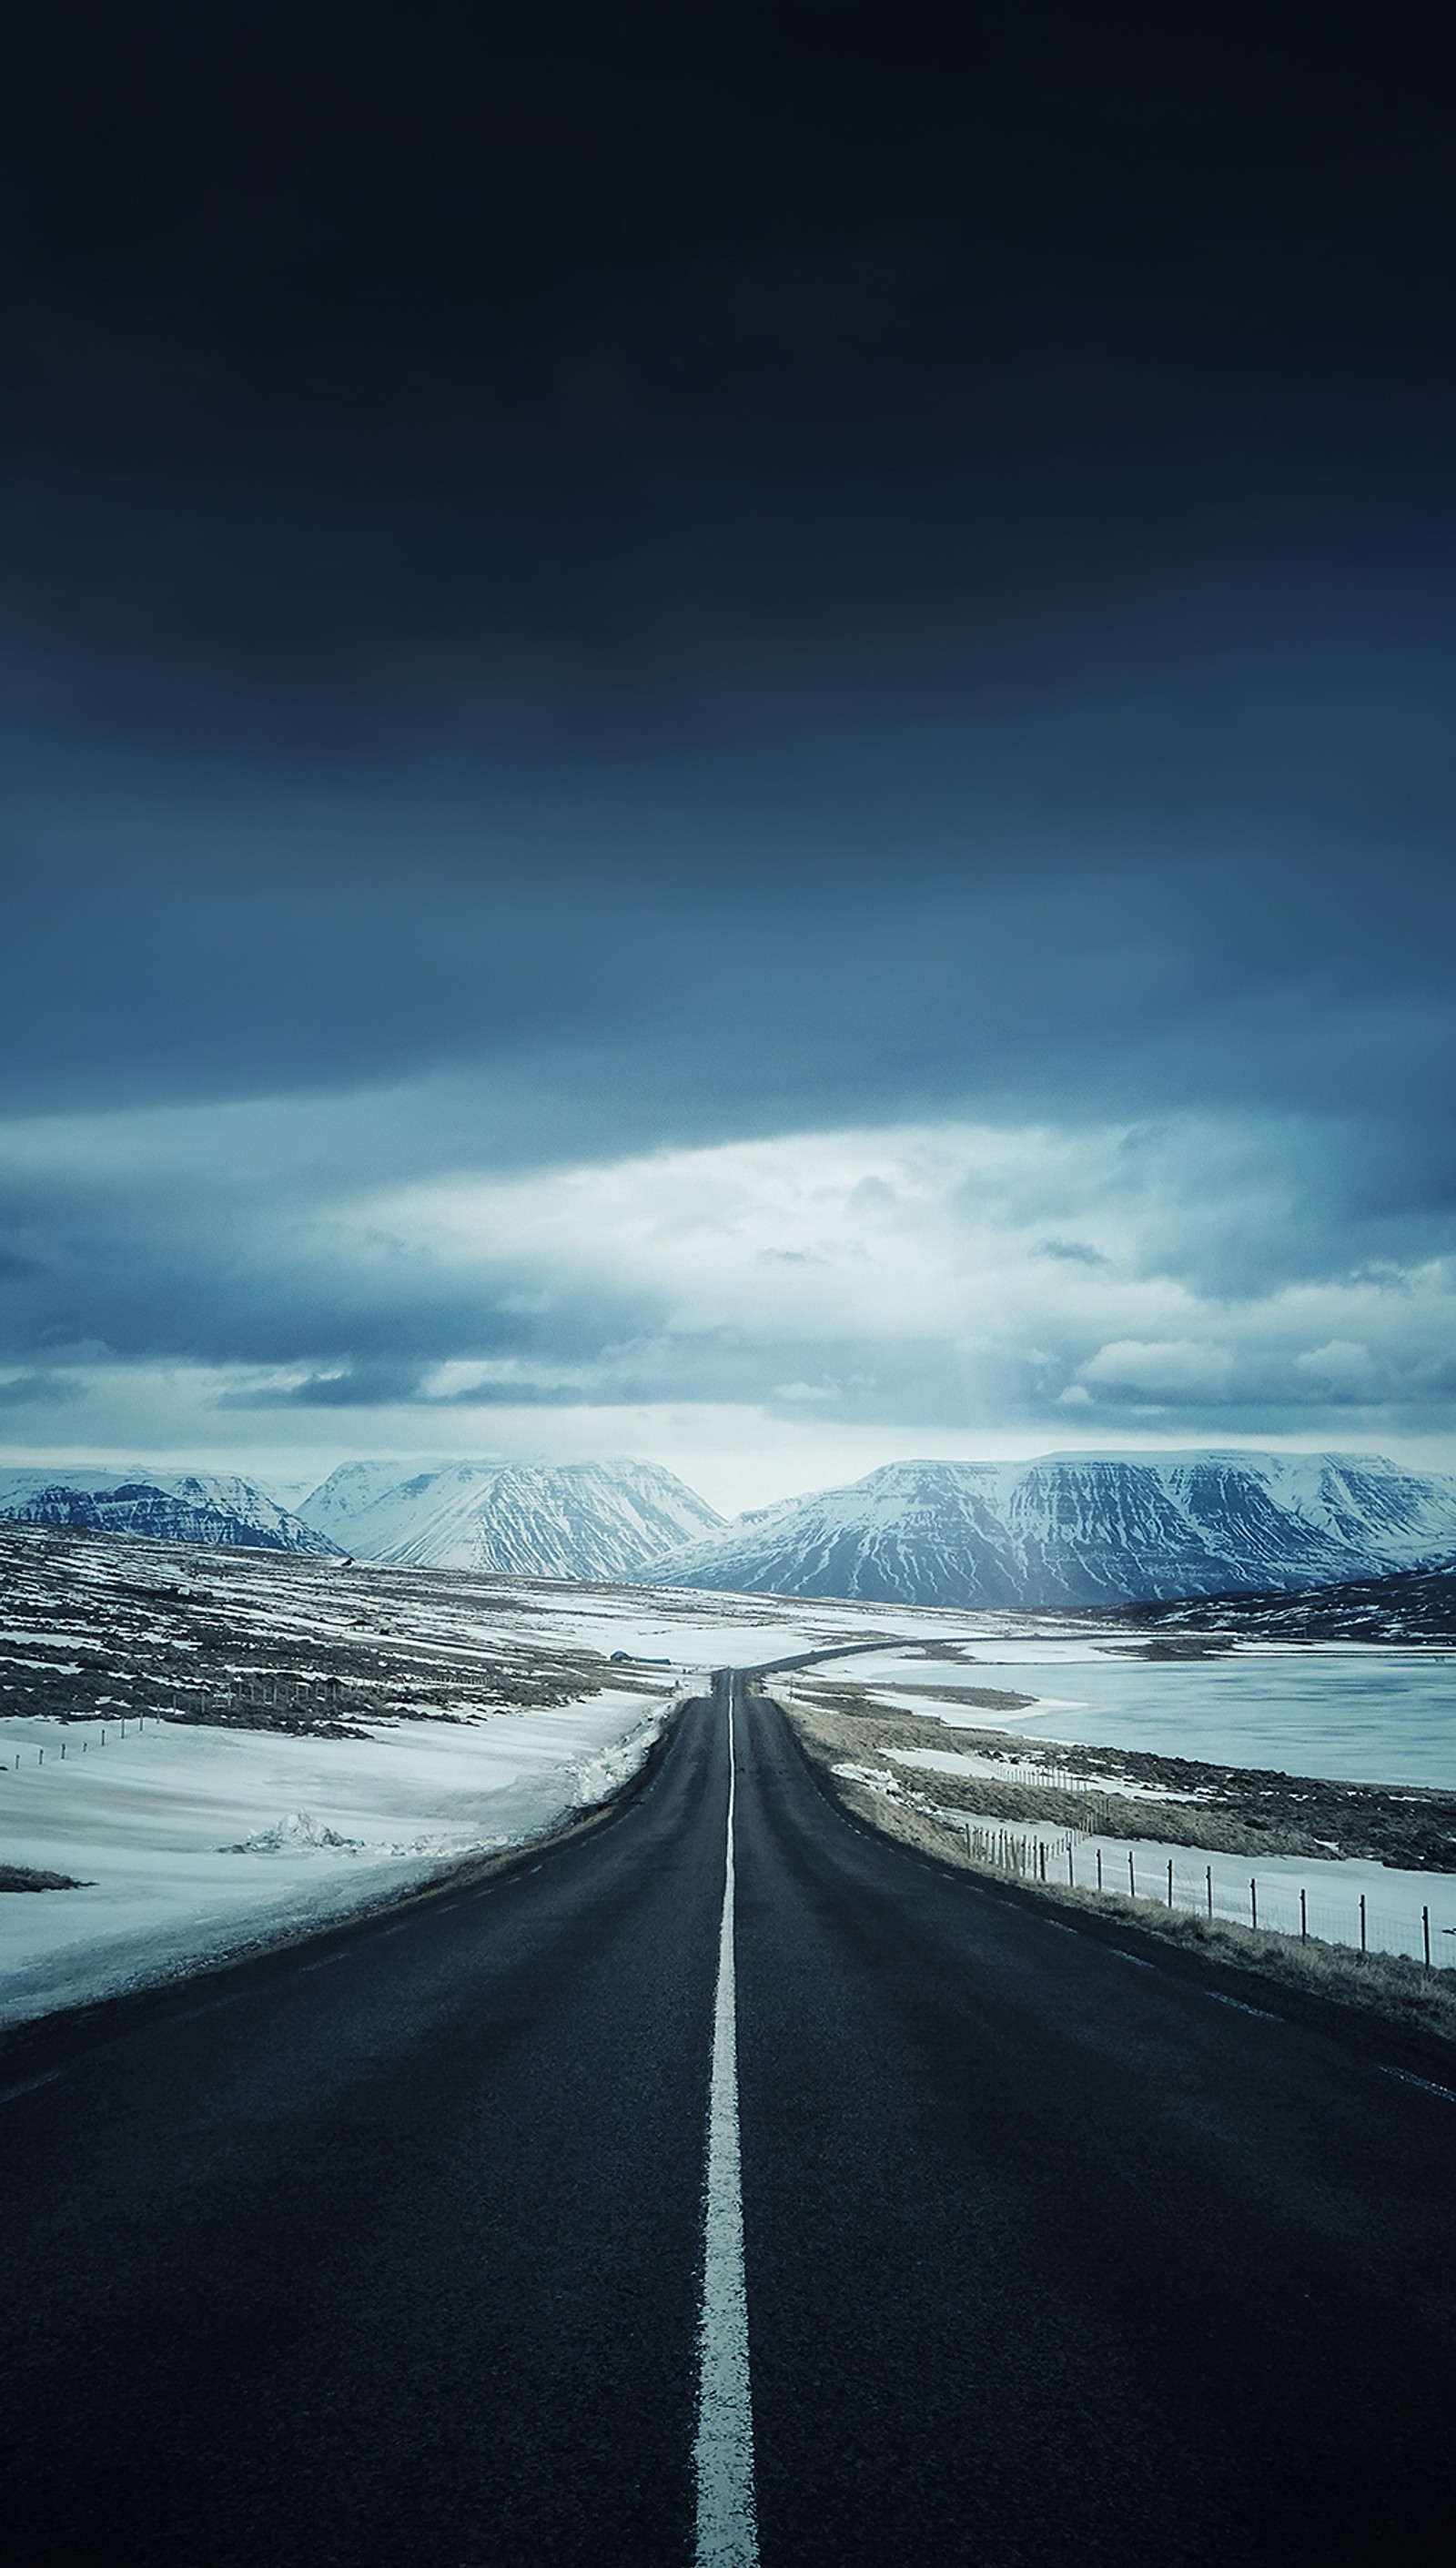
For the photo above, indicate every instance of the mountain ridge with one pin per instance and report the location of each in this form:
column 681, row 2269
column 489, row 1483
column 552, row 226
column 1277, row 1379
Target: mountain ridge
column 1077, row 1531
column 168, row 1506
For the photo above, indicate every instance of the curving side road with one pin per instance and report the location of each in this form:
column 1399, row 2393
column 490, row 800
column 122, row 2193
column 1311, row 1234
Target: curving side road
column 390, row 2250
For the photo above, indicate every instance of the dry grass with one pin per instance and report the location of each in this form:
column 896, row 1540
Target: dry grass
column 864, row 1738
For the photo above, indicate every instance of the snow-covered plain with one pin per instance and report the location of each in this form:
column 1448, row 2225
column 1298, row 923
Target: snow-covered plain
column 485, row 1709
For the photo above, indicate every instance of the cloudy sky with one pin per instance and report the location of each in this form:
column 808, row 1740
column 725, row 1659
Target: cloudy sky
column 728, row 733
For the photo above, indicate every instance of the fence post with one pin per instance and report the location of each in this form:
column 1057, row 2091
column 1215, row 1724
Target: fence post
column 1362, row 1921
column 1099, row 1870
column 1303, row 1918
column 1041, row 1859
column 1425, row 1929
column 1253, row 1902
column 1170, row 1881
column 1131, row 1876
column 1208, row 1877
column 1071, row 1873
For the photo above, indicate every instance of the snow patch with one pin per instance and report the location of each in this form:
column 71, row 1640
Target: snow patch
column 290, row 1835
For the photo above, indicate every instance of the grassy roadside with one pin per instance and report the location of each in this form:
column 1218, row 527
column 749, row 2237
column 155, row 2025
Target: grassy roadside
column 1383, row 1988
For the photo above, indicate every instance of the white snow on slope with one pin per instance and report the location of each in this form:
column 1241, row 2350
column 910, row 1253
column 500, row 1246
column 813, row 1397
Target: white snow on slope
column 1333, row 1888
column 573, row 1520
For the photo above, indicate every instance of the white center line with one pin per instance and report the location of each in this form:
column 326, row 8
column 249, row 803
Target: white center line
column 728, row 2526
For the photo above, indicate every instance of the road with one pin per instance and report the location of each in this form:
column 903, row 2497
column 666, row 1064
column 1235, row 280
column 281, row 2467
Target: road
column 388, row 2249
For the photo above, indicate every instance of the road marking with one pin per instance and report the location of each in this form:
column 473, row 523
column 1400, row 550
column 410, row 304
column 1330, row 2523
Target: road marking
column 1428, row 2085
column 1264, row 2014
column 324, row 1963
column 722, row 2456
column 1057, row 1928
column 1136, row 1958
column 28, row 2086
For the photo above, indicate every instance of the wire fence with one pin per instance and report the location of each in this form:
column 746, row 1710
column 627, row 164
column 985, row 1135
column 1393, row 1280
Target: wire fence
column 1277, row 1906
column 26, row 1753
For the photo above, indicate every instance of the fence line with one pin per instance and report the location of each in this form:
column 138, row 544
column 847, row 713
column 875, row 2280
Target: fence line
column 103, row 1727
column 1280, row 1907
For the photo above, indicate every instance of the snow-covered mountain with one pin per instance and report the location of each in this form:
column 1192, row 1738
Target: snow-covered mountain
column 1079, row 1529
column 172, row 1507
column 577, row 1521
column 336, row 1505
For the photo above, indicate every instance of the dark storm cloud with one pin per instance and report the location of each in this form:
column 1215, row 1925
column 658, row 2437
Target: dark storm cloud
column 684, row 574
column 38, row 1390
column 216, row 1275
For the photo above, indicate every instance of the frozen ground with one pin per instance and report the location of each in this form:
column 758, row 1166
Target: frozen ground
column 1394, row 1896
column 1345, row 1710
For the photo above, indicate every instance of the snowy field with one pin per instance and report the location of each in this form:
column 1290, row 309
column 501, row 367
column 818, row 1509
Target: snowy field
column 1347, row 1711
column 196, row 1842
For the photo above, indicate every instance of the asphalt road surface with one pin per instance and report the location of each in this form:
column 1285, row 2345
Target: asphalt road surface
column 389, row 2250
